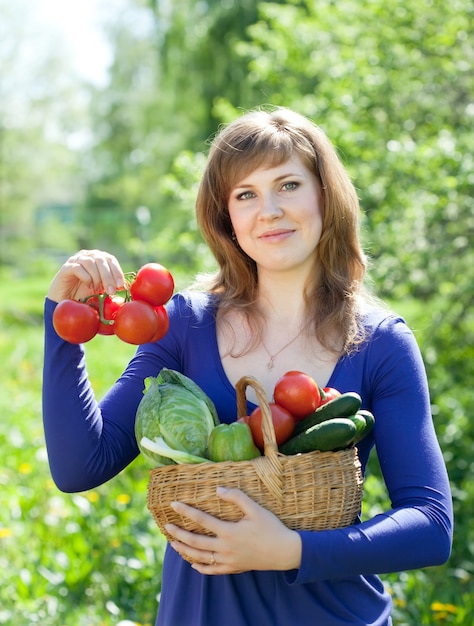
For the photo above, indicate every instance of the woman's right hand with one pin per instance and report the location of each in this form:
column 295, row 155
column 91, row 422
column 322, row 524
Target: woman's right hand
column 85, row 273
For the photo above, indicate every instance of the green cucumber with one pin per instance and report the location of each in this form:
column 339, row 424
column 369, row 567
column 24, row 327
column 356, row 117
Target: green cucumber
column 333, row 434
column 345, row 405
column 361, row 426
column 369, row 422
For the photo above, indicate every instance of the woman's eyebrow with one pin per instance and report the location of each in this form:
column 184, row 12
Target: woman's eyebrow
column 277, row 179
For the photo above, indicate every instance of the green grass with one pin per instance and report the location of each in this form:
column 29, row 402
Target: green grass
column 94, row 559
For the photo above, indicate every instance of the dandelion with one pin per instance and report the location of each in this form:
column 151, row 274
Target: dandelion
column 25, row 468
column 123, row 498
column 5, row 532
column 93, row 496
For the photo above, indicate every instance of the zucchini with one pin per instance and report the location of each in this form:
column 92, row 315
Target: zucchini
column 345, row 405
column 334, row 434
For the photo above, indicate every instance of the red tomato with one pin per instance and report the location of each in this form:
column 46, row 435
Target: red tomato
column 328, row 394
column 163, row 323
column 111, row 305
column 298, row 393
column 75, row 321
column 153, row 284
column 135, row 322
column 283, row 423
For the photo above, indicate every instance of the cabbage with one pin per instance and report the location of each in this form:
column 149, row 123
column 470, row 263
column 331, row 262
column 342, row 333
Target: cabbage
column 161, row 448
column 174, row 411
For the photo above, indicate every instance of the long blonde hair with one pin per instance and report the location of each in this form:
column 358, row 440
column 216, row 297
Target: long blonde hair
column 270, row 138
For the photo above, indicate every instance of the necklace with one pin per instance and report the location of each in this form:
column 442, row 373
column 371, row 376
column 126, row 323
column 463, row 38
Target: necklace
column 271, row 362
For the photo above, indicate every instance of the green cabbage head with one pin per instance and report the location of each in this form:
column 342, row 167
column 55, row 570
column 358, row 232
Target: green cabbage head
column 176, row 415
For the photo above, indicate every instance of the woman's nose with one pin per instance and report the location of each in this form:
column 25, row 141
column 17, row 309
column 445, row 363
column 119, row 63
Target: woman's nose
column 269, row 207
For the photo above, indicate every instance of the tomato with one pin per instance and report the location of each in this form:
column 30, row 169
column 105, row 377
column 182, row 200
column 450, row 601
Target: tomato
column 153, row 284
column 283, row 423
column 163, row 323
column 328, row 394
column 111, row 304
column 135, row 322
column 298, row 393
column 75, row 321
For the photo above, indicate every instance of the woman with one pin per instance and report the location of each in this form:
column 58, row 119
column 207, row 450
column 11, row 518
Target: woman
column 280, row 215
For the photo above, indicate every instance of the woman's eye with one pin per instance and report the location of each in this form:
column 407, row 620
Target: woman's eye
column 290, row 186
column 245, row 195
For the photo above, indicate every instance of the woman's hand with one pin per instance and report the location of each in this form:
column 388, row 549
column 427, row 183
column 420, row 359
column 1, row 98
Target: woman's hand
column 259, row 541
column 85, row 273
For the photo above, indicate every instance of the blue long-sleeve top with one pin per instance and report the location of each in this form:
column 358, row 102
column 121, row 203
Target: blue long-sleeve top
column 337, row 583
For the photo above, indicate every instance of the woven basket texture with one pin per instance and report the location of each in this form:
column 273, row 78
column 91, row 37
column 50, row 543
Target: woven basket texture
column 311, row 491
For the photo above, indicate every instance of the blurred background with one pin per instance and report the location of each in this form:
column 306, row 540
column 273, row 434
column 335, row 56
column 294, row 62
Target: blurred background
column 106, row 111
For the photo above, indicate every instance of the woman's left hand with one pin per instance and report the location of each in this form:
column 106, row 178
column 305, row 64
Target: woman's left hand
column 259, row 541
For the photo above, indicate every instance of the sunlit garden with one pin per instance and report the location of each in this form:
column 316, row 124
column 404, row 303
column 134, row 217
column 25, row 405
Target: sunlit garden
column 115, row 166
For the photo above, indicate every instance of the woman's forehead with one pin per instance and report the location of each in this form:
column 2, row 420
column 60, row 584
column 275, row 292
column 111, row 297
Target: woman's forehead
column 290, row 166
column 244, row 167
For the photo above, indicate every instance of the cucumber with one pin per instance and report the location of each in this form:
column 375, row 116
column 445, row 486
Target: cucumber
column 345, row 405
column 333, row 434
column 361, row 426
column 369, row 422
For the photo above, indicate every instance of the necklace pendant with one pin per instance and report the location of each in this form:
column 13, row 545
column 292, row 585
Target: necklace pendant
column 270, row 364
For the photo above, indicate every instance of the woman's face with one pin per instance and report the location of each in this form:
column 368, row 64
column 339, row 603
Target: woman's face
column 276, row 214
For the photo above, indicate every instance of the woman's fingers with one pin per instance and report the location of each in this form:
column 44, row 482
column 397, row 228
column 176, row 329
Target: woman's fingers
column 85, row 273
column 99, row 270
column 258, row 540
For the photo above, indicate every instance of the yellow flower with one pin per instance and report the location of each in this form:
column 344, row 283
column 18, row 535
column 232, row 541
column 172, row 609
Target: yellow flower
column 93, row 496
column 5, row 532
column 442, row 607
column 123, row 498
column 25, row 468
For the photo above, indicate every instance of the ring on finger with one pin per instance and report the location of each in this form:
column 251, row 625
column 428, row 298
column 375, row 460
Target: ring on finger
column 212, row 560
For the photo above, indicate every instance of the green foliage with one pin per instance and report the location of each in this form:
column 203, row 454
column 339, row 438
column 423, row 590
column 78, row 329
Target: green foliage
column 172, row 235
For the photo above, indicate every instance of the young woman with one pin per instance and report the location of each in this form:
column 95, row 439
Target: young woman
column 280, row 215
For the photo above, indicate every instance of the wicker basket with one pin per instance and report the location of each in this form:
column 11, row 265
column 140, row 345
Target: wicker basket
column 311, row 491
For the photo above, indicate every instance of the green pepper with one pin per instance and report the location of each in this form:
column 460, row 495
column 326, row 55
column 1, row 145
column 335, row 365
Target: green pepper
column 231, row 442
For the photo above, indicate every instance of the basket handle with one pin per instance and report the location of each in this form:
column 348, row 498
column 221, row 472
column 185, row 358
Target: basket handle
column 268, row 467
column 269, row 438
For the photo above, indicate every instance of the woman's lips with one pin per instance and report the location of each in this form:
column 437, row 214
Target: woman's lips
column 276, row 235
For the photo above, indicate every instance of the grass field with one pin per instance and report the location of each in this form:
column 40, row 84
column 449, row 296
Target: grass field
column 94, row 559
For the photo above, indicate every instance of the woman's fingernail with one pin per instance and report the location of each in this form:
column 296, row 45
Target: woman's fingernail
column 221, row 491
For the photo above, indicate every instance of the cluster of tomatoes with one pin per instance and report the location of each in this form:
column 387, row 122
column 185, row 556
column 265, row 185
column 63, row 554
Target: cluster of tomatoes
column 139, row 316
column 295, row 396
